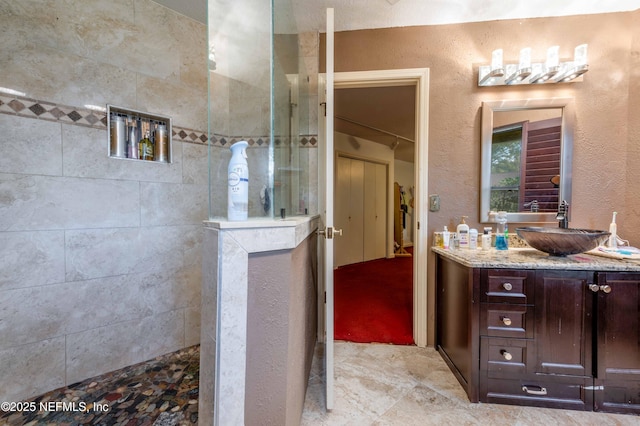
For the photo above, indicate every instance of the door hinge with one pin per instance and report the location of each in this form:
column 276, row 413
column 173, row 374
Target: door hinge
column 418, row 225
column 325, row 297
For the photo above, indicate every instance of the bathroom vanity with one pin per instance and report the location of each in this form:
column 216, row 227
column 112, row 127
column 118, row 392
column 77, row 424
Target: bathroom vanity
column 523, row 328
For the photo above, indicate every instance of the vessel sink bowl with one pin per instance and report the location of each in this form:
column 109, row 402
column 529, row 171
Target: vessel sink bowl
column 562, row 241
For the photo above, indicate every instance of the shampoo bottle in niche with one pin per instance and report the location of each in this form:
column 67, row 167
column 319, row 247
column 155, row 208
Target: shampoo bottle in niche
column 463, row 234
column 132, row 135
column 238, row 181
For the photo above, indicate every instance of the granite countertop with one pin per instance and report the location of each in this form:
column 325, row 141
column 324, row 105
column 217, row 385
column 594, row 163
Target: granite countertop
column 529, row 258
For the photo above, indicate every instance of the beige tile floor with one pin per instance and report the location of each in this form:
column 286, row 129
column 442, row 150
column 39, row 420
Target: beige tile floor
column 405, row 385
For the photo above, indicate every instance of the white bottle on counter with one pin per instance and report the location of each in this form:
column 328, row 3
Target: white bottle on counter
column 445, row 238
column 463, row 234
column 486, row 239
column 473, row 239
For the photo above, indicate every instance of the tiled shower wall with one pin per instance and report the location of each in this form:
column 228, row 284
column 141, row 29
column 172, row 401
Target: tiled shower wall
column 100, row 258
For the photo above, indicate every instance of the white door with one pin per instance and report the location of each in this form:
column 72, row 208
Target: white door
column 326, row 188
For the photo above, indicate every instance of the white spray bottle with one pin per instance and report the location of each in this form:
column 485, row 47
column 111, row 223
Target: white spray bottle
column 613, row 230
column 238, row 181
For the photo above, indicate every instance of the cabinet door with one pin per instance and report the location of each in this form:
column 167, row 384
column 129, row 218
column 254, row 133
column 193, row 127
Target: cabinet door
column 563, row 333
column 457, row 336
column 349, row 211
column 375, row 205
column 381, row 210
column 618, row 375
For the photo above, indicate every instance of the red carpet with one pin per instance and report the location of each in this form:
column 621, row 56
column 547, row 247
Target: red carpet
column 374, row 301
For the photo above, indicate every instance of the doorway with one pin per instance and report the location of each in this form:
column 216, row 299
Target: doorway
column 418, row 79
column 374, row 138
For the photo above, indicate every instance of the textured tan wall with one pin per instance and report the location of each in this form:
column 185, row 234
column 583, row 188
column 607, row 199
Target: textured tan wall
column 605, row 171
column 632, row 213
column 281, row 333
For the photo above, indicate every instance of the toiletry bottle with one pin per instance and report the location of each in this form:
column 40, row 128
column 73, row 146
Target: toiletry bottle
column 613, row 230
column 145, row 147
column 133, row 139
column 161, row 146
column 463, row 234
column 238, row 182
column 473, row 239
column 502, row 234
column 486, row 238
column 118, row 136
column 445, row 238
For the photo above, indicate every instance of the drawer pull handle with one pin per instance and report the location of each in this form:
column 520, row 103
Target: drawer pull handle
column 507, row 286
column 506, row 355
column 506, row 320
column 594, row 288
column 605, row 288
column 537, row 390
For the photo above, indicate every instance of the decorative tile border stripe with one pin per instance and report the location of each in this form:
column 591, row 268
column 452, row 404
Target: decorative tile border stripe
column 308, row 141
column 42, row 110
column 32, row 108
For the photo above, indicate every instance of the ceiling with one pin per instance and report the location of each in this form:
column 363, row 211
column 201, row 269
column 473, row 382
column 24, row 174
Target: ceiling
column 393, row 109
column 385, row 115
column 365, row 14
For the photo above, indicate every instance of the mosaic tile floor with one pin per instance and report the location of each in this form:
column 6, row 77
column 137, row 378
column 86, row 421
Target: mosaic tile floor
column 375, row 385
column 160, row 392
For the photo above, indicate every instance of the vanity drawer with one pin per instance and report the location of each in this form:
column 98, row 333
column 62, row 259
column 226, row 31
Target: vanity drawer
column 541, row 391
column 506, row 320
column 507, row 286
column 506, row 358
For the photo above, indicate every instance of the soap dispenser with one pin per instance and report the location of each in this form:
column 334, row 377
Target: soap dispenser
column 502, row 234
column 613, row 230
column 463, row 234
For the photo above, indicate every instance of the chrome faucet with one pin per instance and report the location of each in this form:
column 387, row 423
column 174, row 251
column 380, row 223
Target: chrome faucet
column 563, row 214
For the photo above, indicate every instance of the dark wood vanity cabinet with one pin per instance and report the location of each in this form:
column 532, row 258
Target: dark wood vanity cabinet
column 550, row 365
column 549, row 338
column 617, row 378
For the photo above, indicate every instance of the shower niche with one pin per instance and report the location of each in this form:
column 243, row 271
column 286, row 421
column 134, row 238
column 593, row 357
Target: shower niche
column 137, row 135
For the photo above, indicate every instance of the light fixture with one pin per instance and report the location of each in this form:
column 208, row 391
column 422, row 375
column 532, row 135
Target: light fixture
column 537, row 72
column 523, row 70
column 552, row 66
column 579, row 65
column 552, row 70
column 395, row 144
column 492, row 72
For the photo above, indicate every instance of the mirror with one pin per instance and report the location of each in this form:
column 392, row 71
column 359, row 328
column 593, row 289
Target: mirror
column 526, row 158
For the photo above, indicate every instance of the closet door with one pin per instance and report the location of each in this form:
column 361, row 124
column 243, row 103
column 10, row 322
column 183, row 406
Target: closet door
column 349, row 211
column 375, row 210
